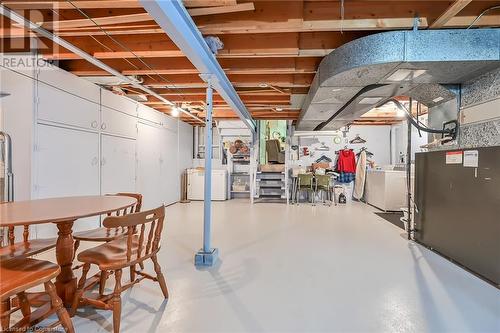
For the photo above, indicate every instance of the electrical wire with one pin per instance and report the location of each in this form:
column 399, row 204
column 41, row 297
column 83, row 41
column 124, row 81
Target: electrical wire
column 481, row 15
column 169, row 85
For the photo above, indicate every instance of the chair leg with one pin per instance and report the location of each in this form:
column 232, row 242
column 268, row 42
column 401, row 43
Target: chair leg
column 4, row 307
column 79, row 290
column 102, row 282
column 132, row 273
column 141, row 265
column 159, row 276
column 24, row 304
column 57, row 305
column 75, row 247
column 117, row 301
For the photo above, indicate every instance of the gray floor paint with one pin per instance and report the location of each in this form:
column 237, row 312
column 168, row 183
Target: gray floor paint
column 301, row 269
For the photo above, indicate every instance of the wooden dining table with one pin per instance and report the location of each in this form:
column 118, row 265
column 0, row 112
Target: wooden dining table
column 64, row 212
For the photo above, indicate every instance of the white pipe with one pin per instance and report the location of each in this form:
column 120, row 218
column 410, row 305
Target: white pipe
column 67, row 45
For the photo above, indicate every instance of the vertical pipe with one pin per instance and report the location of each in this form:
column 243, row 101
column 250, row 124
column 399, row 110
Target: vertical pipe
column 207, row 212
column 408, row 171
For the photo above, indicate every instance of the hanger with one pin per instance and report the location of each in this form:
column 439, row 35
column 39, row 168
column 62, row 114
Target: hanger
column 357, row 139
column 368, row 153
column 323, row 147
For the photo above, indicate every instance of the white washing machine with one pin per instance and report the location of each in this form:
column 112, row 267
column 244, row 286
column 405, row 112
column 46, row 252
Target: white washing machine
column 196, row 184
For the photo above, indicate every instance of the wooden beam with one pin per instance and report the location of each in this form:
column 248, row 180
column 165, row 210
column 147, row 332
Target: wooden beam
column 242, row 7
column 108, row 4
column 208, row 3
column 316, row 44
column 102, row 21
column 305, row 26
column 180, row 65
column 278, row 80
column 449, row 13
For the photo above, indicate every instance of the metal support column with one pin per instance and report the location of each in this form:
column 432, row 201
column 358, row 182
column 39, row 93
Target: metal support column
column 408, row 172
column 207, row 256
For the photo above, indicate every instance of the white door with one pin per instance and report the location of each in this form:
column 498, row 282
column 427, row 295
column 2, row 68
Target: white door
column 170, row 179
column 67, row 164
column 148, row 165
column 118, row 164
column 64, row 108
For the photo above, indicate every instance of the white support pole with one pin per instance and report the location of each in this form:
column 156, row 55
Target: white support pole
column 207, row 256
column 207, row 204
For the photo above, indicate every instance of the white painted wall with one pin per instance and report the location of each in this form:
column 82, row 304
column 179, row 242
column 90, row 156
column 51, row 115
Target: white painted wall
column 378, row 141
column 399, row 137
column 87, row 140
column 17, row 118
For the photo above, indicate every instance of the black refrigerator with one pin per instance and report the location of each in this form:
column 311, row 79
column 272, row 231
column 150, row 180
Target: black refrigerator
column 457, row 194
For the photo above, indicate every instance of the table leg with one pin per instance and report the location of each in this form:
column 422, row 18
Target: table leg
column 66, row 280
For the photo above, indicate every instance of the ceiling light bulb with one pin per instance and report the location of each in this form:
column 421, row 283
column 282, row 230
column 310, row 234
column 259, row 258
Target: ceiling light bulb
column 279, row 109
column 175, row 112
column 263, row 85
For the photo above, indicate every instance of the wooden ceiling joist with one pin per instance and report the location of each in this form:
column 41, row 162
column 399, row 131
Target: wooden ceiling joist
column 180, row 65
column 242, row 7
column 102, row 21
column 208, row 3
column 455, row 8
column 272, row 49
column 108, row 4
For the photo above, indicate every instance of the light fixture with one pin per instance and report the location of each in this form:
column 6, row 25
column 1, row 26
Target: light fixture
column 279, row 109
column 263, row 85
column 175, row 112
column 405, row 74
column 336, row 89
column 370, row 100
column 437, row 99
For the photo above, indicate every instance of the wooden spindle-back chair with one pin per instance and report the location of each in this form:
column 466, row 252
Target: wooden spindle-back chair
column 19, row 275
column 105, row 234
column 16, row 248
column 142, row 242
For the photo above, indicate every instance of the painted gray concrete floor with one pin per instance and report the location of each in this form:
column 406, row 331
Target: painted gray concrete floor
column 301, row 269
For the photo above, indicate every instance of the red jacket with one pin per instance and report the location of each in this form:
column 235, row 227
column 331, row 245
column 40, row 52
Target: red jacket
column 346, row 161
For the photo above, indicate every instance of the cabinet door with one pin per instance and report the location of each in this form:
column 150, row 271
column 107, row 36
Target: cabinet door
column 117, row 164
column 149, row 114
column 59, row 78
column 119, row 103
column 170, row 179
column 148, row 165
column 118, row 123
column 64, row 108
column 67, row 164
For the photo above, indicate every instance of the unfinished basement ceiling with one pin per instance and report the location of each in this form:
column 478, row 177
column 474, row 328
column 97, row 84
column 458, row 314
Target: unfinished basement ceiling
column 271, row 52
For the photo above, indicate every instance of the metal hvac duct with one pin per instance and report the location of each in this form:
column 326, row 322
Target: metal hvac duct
column 367, row 72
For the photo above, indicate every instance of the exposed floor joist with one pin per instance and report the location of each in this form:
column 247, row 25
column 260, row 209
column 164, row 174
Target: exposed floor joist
column 271, row 51
column 450, row 13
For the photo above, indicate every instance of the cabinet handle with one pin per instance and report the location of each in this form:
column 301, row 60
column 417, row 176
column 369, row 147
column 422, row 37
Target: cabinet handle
column 103, row 126
column 94, row 124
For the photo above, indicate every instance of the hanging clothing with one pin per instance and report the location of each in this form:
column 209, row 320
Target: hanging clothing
column 346, row 177
column 346, row 161
column 359, row 184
